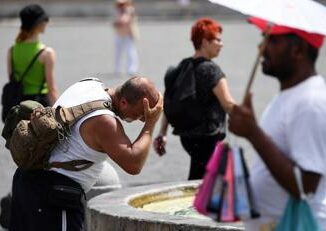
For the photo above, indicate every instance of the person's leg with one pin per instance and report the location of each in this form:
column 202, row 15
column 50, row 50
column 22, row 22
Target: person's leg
column 200, row 150
column 17, row 221
column 191, row 146
column 119, row 49
column 30, row 211
column 5, row 211
column 67, row 196
column 75, row 219
column 132, row 55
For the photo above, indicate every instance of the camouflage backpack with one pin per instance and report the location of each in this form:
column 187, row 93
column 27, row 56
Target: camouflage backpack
column 32, row 131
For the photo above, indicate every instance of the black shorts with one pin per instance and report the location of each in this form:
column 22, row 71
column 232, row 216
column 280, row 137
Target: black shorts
column 42, row 99
column 46, row 200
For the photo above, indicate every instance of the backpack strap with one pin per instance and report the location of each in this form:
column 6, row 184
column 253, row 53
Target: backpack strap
column 11, row 75
column 91, row 79
column 72, row 165
column 71, row 115
column 30, row 64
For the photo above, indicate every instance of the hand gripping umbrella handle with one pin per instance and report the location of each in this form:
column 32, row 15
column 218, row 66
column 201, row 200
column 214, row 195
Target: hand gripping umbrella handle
column 260, row 52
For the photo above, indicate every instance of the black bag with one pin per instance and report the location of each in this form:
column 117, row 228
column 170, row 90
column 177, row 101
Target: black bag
column 12, row 93
column 182, row 108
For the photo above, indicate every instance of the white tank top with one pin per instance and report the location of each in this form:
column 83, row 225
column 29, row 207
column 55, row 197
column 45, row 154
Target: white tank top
column 74, row 147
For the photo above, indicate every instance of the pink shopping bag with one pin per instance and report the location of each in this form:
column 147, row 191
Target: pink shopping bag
column 227, row 212
column 203, row 196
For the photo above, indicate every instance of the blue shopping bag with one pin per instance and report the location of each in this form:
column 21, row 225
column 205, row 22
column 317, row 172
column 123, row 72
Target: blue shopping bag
column 241, row 204
column 297, row 215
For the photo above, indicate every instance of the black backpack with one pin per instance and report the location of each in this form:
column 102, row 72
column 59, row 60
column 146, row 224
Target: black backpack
column 182, row 107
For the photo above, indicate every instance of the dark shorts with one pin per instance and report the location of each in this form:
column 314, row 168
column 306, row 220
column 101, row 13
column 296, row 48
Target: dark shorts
column 46, row 200
column 42, row 99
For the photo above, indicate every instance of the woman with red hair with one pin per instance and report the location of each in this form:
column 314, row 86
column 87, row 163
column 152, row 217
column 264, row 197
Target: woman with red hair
column 213, row 99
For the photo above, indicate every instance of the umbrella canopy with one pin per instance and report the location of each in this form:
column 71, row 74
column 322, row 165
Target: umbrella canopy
column 305, row 15
column 316, row 40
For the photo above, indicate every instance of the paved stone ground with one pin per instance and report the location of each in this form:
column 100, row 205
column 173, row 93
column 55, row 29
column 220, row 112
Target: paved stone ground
column 85, row 48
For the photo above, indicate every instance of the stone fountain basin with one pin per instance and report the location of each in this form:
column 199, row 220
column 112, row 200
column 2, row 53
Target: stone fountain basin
column 123, row 210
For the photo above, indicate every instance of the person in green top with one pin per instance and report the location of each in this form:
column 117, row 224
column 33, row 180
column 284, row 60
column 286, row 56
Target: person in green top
column 38, row 83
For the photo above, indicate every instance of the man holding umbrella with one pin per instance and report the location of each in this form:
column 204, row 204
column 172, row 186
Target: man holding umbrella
column 292, row 132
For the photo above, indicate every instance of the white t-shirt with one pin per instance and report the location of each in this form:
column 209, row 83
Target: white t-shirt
column 75, row 147
column 296, row 121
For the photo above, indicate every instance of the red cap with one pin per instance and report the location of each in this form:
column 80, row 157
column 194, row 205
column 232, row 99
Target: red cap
column 316, row 40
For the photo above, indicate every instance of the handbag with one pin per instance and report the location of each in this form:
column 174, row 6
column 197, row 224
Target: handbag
column 227, row 211
column 254, row 213
column 12, row 92
column 219, row 189
column 241, row 205
column 203, row 196
column 297, row 215
column 225, row 193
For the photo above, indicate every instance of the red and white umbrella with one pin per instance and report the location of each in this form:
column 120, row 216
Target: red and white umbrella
column 306, row 15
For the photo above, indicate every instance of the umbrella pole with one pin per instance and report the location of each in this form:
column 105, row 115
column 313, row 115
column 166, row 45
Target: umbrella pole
column 254, row 69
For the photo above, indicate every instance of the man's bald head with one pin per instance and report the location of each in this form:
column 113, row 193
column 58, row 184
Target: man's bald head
column 137, row 88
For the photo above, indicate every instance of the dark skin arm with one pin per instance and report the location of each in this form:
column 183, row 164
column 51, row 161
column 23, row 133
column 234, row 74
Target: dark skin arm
column 242, row 122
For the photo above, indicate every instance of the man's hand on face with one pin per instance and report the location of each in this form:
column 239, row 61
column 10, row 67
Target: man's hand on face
column 242, row 121
column 151, row 115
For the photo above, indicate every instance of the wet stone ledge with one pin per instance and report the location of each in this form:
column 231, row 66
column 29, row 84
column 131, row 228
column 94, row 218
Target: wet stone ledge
column 112, row 211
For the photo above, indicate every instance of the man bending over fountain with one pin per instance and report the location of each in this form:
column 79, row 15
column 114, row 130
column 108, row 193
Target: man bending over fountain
column 52, row 200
